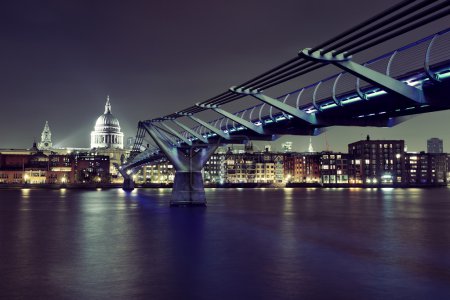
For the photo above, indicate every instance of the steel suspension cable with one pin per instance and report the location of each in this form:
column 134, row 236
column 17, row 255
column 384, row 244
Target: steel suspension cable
column 286, row 75
column 290, row 70
column 285, row 64
column 266, row 78
column 394, row 26
column 376, row 26
column 400, row 31
column 312, row 68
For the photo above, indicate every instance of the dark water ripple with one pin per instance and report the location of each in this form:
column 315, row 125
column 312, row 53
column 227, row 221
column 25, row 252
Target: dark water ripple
column 248, row 244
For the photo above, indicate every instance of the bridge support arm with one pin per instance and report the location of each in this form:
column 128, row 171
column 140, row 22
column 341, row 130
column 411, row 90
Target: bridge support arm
column 210, row 127
column 298, row 113
column 191, row 132
column 170, row 151
column 239, row 120
column 176, row 134
column 387, row 83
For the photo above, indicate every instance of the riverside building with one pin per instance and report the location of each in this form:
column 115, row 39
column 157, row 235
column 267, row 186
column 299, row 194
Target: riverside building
column 38, row 167
column 426, row 169
column 334, row 168
column 302, row 167
column 377, row 162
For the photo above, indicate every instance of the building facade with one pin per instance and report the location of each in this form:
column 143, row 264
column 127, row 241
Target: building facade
column 40, row 168
column 426, row 168
column 256, row 167
column 377, row 161
column 334, row 168
column 214, row 170
column 302, row 167
column 159, row 172
column 435, row 145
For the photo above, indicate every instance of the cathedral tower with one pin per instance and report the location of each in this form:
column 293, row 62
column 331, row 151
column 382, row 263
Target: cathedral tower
column 46, row 138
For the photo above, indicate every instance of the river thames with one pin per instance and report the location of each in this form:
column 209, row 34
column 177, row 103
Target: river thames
column 305, row 243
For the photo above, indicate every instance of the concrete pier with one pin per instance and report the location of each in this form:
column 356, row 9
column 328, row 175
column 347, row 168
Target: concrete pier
column 188, row 189
column 128, row 184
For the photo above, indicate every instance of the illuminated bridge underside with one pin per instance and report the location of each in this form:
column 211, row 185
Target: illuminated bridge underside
column 381, row 109
column 383, row 92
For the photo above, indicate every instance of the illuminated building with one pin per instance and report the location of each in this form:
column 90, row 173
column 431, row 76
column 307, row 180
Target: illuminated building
column 161, row 172
column 107, row 139
column 334, row 168
column 106, row 132
column 90, row 168
column 214, row 170
column 426, row 168
column 377, row 162
column 302, row 167
column 257, row 167
column 40, row 168
column 46, row 138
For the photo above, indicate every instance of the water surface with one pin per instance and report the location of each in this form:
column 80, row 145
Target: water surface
column 247, row 244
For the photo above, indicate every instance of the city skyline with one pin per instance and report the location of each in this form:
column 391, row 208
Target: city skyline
column 320, row 143
column 59, row 70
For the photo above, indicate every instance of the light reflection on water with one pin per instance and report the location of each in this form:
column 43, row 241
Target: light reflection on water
column 25, row 193
column 247, row 244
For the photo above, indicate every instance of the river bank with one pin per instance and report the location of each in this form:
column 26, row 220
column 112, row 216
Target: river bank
column 89, row 186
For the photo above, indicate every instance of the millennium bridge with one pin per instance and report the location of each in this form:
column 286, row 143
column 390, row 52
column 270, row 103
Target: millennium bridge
column 381, row 92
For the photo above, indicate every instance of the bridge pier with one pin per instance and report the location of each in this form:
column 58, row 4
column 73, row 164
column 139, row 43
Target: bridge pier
column 188, row 161
column 188, row 189
column 128, row 184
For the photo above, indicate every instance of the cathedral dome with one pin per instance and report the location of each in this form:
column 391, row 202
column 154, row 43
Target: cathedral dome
column 106, row 132
column 107, row 123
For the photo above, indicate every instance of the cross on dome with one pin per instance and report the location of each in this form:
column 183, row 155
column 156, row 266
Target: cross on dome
column 107, row 106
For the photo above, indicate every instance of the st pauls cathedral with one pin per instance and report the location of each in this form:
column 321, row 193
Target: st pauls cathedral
column 106, row 132
column 105, row 136
column 107, row 139
column 94, row 164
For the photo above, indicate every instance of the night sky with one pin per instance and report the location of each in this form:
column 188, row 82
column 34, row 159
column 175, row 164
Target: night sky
column 59, row 60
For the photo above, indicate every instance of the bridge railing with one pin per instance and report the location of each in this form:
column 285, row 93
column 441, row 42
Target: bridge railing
column 404, row 62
